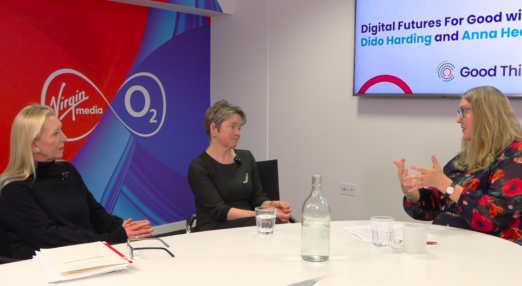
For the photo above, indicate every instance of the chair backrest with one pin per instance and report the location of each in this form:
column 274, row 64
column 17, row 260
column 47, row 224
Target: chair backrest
column 191, row 223
column 269, row 176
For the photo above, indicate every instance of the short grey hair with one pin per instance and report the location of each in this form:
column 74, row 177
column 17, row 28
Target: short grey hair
column 219, row 112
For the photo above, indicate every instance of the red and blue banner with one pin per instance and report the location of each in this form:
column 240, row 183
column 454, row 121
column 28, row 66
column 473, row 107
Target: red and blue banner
column 130, row 84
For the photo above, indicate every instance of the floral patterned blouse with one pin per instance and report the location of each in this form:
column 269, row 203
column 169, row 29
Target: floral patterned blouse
column 491, row 201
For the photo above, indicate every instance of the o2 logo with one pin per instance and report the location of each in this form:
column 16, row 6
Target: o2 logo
column 445, row 71
column 144, row 104
column 140, row 103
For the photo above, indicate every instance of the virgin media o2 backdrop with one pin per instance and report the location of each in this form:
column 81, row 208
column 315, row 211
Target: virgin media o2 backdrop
column 130, row 84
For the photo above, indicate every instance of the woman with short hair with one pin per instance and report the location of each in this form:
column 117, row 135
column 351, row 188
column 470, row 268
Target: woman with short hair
column 44, row 203
column 224, row 180
column 481, row 187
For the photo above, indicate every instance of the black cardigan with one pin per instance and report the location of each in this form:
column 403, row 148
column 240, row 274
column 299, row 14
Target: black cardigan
column 54, row 210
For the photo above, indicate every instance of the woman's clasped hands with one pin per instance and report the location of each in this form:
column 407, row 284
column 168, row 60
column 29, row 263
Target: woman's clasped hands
column 137, row 229
column 283, row 210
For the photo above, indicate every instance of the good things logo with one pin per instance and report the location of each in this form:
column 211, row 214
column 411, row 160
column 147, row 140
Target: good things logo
column 140, row 103
column 445, row 71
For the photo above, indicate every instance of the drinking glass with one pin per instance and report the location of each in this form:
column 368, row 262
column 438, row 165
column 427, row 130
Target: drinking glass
column 265, row 220
column 382, row 229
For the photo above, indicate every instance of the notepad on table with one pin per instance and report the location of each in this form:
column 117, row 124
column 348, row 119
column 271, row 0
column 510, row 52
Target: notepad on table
column 80, row 261
column 365, row 232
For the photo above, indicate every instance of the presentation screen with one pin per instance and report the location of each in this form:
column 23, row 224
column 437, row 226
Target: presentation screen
column 437, row 47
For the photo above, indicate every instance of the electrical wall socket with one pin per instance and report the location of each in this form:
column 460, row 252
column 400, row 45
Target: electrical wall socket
column 348, row 189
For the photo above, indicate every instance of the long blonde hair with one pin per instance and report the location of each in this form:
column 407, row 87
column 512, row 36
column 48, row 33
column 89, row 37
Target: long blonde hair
column 27, row 127
column 494, row 128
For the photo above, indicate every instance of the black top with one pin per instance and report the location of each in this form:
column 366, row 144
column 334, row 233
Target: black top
column 218, row 187
column 51, row 212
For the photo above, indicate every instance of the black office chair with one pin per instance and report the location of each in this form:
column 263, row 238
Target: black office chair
column 5, row 247
column 170, row 233
column 269, row 177
column 191, row 223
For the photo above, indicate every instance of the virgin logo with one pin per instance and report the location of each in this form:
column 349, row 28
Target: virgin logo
column 79, row 104
column 62, row 105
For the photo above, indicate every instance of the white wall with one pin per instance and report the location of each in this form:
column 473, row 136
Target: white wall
column 304, row 114
column 239, row 71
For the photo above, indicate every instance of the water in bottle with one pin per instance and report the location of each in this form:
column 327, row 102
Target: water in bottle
column 315, row 228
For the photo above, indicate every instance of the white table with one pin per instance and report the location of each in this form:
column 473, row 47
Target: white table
column 195, row 264
column 240, row 257
column 462, row 257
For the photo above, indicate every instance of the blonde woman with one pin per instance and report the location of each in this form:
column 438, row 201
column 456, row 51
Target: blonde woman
column 224, row 180
column 481, row 187
column 43, row 202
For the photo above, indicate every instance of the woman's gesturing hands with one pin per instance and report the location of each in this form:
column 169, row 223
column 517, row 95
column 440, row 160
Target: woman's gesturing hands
column 402, row 173
column 427, row 177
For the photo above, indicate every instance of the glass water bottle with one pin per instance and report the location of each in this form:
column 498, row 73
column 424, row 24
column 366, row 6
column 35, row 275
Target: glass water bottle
column 315, row 225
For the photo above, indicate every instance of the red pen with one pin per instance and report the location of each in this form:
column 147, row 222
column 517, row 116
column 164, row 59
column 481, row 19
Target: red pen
column 427, row 242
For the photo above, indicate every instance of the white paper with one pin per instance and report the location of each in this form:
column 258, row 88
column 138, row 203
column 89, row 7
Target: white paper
column 51, row 275
column 73, row 258
column 365, row 232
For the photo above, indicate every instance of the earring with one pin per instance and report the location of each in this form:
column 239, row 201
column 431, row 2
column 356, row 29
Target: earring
column 38, row 150
column 214, row 135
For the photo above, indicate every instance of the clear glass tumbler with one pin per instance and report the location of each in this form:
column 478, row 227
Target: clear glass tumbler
column 382, row 229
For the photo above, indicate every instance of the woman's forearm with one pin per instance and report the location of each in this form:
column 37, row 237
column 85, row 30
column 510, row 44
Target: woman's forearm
column 413, row 197
column 234, row 213
column 266, row 203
